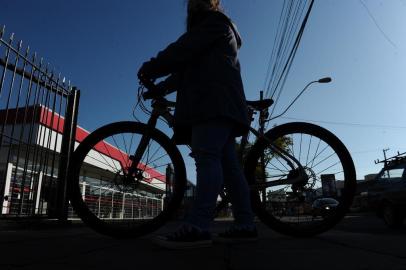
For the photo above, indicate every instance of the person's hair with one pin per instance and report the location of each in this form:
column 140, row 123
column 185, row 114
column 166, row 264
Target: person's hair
column 201, row 5
column 196, row 7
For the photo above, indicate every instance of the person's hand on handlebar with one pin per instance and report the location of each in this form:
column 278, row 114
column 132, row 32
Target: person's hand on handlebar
column 150, row 69
column 144, row 71
column 147, row 76
column 159, row 90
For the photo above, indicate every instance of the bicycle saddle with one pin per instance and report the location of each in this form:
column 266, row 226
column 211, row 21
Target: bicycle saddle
column 260, row 105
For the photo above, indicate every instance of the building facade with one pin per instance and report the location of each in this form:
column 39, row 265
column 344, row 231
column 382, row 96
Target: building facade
column 29, row 158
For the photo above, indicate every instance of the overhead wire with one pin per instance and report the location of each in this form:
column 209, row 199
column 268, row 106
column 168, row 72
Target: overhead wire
column 279, row 41
column 277, row 86
column 346, row 123
column 280, row 80
column 279, row 45
column 286, row 42
column 271, row 59
column 284, row 68
column 285, row 45
column 377, row 24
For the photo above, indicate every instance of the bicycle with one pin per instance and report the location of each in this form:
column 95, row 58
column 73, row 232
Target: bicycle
column 117, row 188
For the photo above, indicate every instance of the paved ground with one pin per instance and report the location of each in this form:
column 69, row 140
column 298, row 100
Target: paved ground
column 360, row 242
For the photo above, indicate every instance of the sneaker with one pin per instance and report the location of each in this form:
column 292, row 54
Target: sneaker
column 186, row 237
column 237, row 234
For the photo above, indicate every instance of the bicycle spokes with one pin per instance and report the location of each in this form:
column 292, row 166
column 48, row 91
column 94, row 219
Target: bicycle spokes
column 123, row 188
column 305, row 194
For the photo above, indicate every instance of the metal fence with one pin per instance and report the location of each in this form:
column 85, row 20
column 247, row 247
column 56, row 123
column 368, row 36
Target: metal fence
column 108, row 203
column 38, row 112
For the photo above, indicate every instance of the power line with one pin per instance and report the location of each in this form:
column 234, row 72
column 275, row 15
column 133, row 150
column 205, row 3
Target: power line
column 273, row 54
column 282, row 62
column 281, row 72
column 280, row 82
column 346, row 123
column 377, row 24
column 278, row 46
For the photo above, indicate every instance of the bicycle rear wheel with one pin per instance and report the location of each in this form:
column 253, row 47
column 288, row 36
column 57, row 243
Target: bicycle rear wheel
column 113, row 202
column 324, row 195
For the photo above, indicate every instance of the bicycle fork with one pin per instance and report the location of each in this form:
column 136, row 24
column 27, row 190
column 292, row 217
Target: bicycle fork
column 134, row 170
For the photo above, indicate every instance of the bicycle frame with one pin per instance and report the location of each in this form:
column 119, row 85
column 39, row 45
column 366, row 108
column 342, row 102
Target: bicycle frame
column 161, row 109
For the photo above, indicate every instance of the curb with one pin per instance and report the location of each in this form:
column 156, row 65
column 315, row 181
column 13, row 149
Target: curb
column 37, row 224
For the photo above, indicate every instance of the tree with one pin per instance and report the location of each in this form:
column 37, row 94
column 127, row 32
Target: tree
column 281, row 142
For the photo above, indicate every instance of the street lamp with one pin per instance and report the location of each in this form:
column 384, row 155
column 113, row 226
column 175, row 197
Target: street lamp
column 322, row 80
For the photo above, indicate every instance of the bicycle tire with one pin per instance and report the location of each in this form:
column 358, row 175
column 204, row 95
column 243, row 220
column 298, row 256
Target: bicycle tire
column 117, row 230
column 280, row 221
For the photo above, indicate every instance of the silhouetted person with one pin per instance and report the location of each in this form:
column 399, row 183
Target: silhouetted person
column 210, row 113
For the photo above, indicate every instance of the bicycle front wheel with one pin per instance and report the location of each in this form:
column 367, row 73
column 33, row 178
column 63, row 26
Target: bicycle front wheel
column 324, row 187
column 117, row 203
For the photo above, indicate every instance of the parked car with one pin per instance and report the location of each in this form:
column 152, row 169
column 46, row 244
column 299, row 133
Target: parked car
column 387, row 193
column 324, row 206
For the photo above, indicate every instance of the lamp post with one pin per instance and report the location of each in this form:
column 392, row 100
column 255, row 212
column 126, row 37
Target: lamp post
column 262, row 120
column 322, row 80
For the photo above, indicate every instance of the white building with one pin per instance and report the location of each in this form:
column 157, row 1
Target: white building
column 29, row 158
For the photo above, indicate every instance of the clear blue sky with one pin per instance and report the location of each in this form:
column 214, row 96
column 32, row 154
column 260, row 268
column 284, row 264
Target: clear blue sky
column 100, row 45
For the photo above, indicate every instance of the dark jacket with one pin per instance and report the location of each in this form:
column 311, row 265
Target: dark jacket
column 206, row 73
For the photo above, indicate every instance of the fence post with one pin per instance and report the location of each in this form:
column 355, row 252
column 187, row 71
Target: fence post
column 6, row 203
column 67, row 148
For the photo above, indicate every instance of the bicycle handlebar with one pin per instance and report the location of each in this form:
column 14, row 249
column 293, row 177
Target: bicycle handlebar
column 149, row 84
column 151, row 87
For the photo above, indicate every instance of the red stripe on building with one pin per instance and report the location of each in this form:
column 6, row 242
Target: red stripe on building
column 56, row 123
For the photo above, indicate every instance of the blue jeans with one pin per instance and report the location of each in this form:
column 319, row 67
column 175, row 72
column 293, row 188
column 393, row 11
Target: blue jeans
column 213, row 147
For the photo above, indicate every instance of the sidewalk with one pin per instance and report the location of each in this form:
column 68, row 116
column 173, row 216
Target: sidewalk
column 39, row 223
column 78, row 247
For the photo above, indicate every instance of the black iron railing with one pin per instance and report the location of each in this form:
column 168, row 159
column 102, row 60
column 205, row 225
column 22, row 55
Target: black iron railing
column 38, row 115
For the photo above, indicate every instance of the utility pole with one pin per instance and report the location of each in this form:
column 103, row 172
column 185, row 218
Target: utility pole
column 169, row 173
column 262, row 119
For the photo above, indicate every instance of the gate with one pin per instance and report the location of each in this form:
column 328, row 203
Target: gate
column 38, row 115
